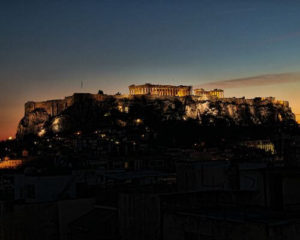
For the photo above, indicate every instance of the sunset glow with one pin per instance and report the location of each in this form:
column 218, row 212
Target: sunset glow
column 52, row 50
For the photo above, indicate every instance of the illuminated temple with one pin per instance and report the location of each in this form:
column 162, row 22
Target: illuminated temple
column 217, row 93
column 176, row 91
column 160, row 90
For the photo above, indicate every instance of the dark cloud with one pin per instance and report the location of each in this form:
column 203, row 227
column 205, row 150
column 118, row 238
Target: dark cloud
column 262, row 80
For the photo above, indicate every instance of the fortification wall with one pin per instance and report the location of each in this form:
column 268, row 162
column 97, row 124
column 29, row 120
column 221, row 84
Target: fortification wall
column 52, row 107
column 237, row 111
column 252, row 101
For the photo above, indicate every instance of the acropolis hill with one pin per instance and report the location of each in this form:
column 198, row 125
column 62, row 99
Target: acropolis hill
column 166, row 102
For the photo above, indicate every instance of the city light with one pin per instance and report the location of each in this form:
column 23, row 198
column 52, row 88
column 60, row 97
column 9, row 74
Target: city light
column 10, row 164
column 103, row 135
column 42, row 132
column 138, row 121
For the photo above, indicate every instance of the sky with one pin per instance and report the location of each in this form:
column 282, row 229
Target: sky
column 47, row 48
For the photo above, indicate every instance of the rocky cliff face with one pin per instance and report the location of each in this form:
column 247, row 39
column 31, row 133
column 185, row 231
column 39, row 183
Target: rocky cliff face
column 90, row 113
column 247, row 112
column 33, row 122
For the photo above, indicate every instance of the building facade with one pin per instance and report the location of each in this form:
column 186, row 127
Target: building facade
column 217, row 93
column 160, row 90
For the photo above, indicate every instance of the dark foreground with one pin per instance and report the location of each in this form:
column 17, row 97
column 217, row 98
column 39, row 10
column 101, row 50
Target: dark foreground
column 181, row 181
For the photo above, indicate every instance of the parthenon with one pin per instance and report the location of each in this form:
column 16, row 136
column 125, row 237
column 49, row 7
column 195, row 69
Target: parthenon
column 176, row 91
column 160, row 90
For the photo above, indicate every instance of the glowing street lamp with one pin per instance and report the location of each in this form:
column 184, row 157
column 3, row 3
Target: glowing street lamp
column 138, row 121
column 103, row 135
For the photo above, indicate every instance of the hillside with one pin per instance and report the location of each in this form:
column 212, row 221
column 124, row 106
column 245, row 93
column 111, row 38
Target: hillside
column 88, row 112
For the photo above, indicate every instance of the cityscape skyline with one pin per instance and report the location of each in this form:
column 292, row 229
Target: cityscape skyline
column 149, row 119
column 49, row 49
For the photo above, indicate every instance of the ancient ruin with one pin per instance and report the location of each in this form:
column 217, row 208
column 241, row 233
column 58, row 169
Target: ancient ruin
column 160, row 90
column 216, row 93
column 173, row 91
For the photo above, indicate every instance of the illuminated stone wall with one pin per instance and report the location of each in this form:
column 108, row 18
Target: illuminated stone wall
column 55, row 107
column 217, row 93
column 160, row 90
column 52, row 107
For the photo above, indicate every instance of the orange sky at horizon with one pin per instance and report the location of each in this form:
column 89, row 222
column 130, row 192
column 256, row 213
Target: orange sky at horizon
column 13, row 112
column 51, row 50
column 298, row 118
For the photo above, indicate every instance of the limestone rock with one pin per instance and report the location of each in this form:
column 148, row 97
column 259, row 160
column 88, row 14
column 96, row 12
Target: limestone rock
column 89, row 112
column 33, row 122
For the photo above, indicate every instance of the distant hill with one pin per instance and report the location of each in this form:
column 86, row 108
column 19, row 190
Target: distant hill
column 90, row 112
